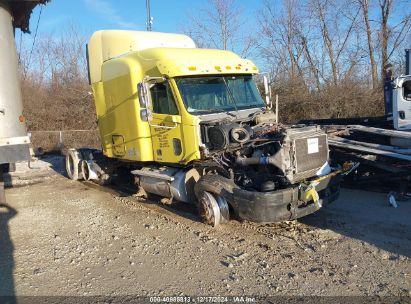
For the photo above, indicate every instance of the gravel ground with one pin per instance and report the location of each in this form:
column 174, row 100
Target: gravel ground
column 62, row 237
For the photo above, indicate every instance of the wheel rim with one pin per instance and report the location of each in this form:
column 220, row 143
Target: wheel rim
column 213, row 209
column 224, row 210
column 70, row 166
column 85, row 171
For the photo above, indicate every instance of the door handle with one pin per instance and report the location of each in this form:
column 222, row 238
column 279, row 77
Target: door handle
column 164, row 127
column 401, row 114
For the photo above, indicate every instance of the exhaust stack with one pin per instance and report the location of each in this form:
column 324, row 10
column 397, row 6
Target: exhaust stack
column 407, row 62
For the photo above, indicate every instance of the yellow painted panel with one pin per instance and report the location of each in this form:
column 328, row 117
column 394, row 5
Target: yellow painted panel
column 98, row 93
column 190, row 129
column 166, row 138
column 122, row 116
column 108, row 44
column 119, row 60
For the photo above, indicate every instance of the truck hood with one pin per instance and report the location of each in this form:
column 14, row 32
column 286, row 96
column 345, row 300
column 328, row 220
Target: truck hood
column 240, row 114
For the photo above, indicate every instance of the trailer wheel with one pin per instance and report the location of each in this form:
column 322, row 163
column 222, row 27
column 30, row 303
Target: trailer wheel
column 72, row 164
column 84, row 172
column 213, row 209
column 2, row 191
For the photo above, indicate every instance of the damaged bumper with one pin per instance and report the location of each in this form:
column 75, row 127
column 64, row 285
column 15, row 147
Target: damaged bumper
column 285, row 204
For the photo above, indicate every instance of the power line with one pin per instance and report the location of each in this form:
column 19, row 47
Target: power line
column 21, row 42
column 34, row 39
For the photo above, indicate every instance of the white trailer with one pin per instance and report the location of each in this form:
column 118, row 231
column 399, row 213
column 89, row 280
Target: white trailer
column 14, row 141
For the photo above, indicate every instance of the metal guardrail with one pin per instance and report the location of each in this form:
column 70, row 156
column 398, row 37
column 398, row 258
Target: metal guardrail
column 59, row 140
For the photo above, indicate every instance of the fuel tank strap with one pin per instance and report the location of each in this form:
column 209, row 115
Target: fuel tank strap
column 153, row 174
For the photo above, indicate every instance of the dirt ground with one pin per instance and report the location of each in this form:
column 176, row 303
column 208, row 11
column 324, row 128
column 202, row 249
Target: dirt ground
column 61, row 237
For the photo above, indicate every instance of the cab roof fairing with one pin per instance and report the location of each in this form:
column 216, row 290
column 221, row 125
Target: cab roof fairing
column 195, row 69
column 106, row 45
column 174, row 62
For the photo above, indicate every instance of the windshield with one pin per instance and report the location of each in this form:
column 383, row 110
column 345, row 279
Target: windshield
column 219, row 93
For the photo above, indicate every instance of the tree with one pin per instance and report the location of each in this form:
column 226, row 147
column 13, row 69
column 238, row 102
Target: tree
column 280, row 32
column 337, row 24
column 55, row 87
column 387, row 23
column 220, row 25
column 392, row 35
column 365, row 12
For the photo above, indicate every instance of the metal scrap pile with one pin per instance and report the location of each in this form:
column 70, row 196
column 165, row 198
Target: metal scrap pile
column 385, row 155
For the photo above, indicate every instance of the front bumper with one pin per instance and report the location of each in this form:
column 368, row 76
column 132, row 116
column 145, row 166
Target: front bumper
column 285, row 204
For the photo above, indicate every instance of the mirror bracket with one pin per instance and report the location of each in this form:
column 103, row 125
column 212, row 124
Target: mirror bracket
column 145, row 103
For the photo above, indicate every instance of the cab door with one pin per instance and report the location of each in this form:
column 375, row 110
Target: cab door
column 402, row 104
column 165, row 125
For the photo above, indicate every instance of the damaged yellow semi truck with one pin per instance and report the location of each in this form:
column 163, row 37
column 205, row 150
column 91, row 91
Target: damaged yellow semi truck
column 191, row 126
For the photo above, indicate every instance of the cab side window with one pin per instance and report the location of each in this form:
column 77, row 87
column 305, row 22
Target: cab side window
column 162, row 99
column 407, row 90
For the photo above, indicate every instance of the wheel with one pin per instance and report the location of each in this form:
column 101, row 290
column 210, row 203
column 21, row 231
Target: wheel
column 72, row 164
column 7, row 168
column 2, row 191
column 85, row 171
column 213, row 209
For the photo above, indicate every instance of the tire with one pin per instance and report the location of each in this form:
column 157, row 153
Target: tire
column 84, row 172
column 12, row 167
column 73, row 164
column 213, row 209
column 215, row 184
column 213, row 193
column 2, row 191
column 7, row 168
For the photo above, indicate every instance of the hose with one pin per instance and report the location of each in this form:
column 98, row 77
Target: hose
column 262, row 160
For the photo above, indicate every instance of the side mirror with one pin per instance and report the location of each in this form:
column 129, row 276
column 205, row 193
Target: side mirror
column 266, row 85
column 146, row 115
column 144, row 100
column 142, row 94
column 267, row 92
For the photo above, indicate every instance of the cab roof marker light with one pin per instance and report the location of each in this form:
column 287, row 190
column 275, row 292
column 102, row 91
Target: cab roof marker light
column 192, row 68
